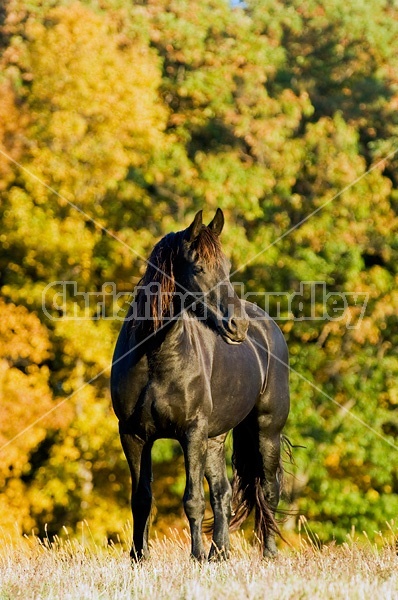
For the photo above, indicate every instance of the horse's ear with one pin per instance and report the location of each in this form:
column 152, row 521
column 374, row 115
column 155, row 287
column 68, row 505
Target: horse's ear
column 194, row 229
column 217, row 224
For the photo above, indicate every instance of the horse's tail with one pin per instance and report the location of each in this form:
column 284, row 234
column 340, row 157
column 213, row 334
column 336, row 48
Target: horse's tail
column 247, row 492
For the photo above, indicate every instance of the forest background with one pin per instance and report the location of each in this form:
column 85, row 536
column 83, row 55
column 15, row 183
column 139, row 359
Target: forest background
column 119, row 120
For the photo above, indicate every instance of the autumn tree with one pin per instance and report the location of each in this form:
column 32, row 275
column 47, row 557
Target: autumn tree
column 118, row 120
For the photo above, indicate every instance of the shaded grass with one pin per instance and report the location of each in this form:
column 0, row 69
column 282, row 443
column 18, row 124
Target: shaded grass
column 68, row 569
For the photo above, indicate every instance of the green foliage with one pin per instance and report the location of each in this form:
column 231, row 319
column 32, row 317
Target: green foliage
column 139, row 114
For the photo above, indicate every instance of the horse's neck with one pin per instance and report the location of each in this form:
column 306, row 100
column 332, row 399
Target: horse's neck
column 171, row 351
column 177, row 332
column 185, row 334
column 168, row 335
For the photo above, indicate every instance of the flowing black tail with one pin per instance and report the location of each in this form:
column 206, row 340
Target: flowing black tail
column 247, row 492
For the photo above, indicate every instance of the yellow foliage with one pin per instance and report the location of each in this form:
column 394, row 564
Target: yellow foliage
column 332, row 460
column 92, row 100
column 25, row 397
column 24, row 391
column 11, row 144
column 140, row 127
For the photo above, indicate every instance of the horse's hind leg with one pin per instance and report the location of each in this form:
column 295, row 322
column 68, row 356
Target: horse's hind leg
column 220, row 496
column 270, row 449
column 138, row 456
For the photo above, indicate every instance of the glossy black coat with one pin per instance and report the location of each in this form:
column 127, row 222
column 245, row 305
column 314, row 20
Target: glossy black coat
column 193, row 380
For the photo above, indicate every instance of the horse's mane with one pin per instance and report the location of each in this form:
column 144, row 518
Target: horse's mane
column 161, row 271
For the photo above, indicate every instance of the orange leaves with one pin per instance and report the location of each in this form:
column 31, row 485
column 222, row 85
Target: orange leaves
column 24, row 391
column 11, row 143
column 25, row 397
column 22, row 335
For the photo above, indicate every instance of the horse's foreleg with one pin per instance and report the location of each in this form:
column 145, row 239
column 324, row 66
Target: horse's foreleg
column 220, row 496
column 138, row 456
column 194, row 445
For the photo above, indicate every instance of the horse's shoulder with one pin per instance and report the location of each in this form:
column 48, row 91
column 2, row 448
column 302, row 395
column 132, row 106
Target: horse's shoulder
column 261, row 322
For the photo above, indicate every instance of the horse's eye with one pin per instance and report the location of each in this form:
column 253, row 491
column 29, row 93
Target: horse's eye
column 197, row 269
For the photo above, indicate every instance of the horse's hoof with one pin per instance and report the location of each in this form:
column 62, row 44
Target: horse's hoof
column 137, row 558
column 216, row 555
column 270, row 553
column 201, row 558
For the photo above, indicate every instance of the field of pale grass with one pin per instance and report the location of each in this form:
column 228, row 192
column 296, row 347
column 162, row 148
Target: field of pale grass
column 68, row 569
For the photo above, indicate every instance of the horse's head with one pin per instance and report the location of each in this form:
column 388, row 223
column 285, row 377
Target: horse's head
column 203, row 271
column 188, row 270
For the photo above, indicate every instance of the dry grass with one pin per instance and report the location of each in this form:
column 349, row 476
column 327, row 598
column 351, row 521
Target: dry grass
column 71, row 570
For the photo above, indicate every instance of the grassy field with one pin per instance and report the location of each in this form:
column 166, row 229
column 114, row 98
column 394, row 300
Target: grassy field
column 71, row 570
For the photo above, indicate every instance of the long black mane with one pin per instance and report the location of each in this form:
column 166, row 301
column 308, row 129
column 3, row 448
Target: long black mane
column 165, row 262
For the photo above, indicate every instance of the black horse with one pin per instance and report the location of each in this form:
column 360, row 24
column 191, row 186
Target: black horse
column 192, row 362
